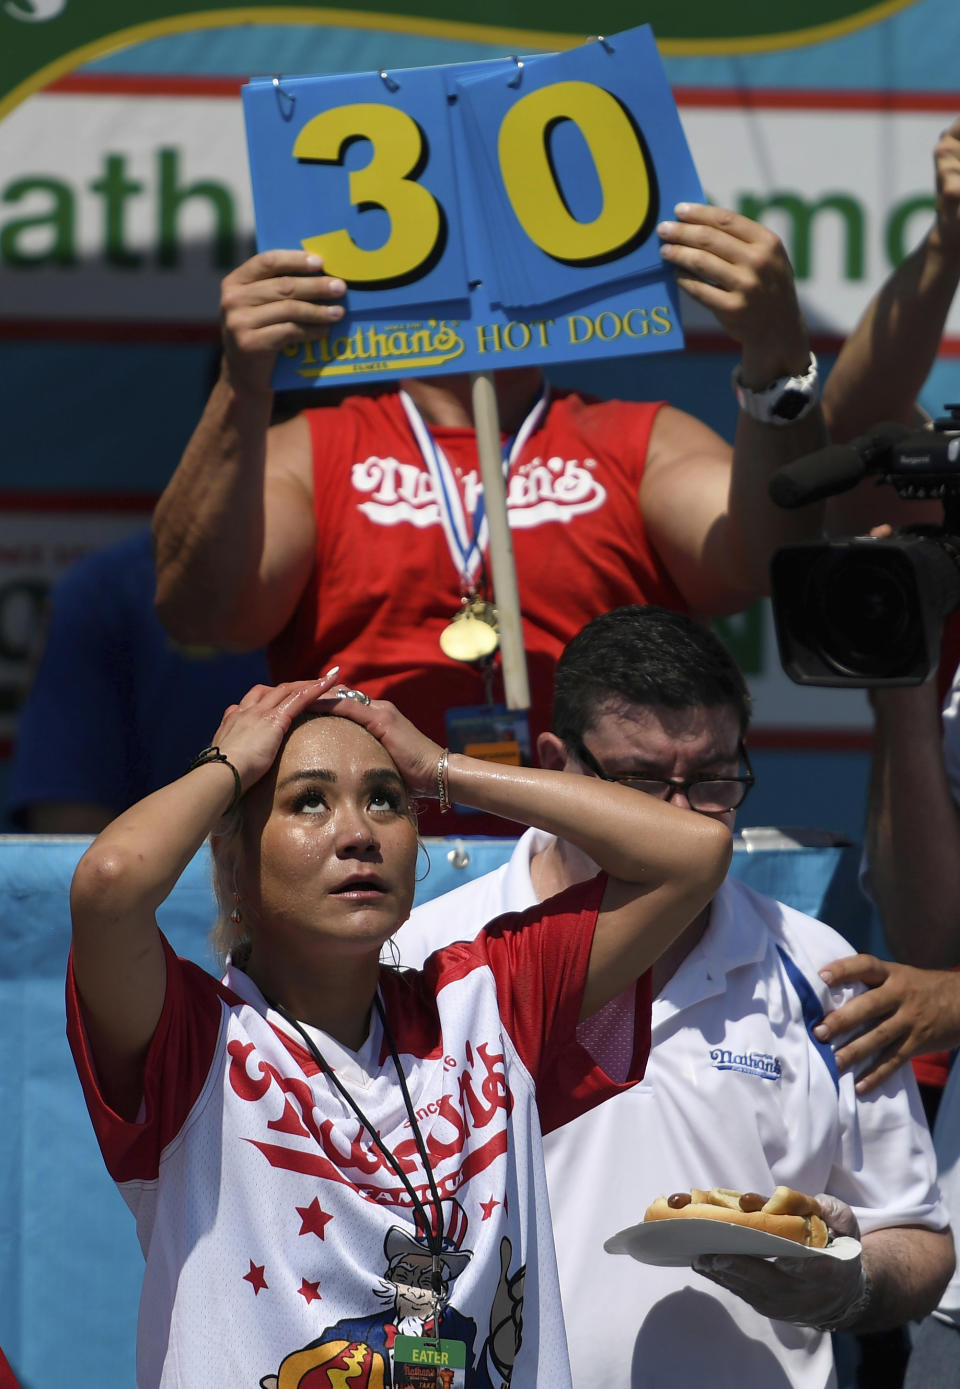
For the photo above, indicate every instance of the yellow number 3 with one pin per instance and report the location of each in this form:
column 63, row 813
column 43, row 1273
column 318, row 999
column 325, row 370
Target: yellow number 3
column 388, row 181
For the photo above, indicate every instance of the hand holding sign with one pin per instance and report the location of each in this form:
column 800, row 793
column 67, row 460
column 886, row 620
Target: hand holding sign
column 272, row 302
column 740, row 271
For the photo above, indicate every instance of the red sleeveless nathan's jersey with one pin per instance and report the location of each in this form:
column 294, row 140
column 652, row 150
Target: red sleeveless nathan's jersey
column 386, row 584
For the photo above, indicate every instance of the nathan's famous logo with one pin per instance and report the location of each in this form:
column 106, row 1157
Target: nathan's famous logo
column 540, row 490
column 467, row 1133
column 413, row 346
column 754, row 1063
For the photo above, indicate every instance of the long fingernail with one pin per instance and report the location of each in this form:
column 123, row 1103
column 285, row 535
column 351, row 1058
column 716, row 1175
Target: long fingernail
column 330, row 673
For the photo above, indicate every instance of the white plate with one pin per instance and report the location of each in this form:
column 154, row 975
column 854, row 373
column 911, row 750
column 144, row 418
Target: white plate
column 673, row 1243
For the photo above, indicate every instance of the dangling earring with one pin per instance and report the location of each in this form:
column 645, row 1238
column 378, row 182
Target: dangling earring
column 422, row 847
column 235, row 915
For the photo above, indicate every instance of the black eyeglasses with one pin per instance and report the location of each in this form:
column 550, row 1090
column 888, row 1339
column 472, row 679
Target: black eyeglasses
column 709, row 794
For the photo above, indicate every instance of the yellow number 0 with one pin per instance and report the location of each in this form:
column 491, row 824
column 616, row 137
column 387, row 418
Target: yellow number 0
column 388, row 182
column 618, row 155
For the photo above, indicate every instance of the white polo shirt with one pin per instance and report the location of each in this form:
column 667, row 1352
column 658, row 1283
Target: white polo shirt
column 737, row 1093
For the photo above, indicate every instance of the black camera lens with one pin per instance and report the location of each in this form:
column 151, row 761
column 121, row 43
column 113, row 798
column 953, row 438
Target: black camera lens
column 867, row 611
column 864, row 612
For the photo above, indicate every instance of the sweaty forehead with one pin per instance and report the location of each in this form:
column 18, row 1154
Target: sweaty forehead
column 654, row 730
column 333, row 743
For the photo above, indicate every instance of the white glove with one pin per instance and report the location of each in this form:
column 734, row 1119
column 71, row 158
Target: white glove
column 828, row 1294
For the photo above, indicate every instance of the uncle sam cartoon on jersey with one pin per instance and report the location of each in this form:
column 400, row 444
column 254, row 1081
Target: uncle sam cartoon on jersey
column 416, row 1338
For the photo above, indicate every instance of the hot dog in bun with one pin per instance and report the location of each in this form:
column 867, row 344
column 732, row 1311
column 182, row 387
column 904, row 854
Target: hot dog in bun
column 786, row 1213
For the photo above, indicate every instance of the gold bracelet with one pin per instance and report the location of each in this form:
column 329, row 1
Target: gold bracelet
column 442, row 782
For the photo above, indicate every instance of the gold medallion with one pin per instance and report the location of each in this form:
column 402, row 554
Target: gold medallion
column 472, row 634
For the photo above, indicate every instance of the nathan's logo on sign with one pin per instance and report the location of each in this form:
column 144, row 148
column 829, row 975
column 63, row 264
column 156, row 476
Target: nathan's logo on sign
column 481, row 212
column 407, row 346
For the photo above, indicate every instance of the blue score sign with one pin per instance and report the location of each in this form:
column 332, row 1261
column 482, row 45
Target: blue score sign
column 483, row 215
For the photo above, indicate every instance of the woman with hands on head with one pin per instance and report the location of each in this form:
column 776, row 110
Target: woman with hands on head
column 333, row 1163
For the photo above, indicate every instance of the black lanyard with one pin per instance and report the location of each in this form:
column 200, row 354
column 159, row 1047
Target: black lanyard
column 433, row 1236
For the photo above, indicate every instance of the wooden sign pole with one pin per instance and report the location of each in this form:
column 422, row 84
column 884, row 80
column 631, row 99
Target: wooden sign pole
column 486, row 422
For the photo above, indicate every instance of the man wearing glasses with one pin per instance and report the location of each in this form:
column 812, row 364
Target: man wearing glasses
column 737, row 1091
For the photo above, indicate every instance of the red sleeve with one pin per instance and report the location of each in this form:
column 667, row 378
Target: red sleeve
column 539, row 960
column 575, row 1082
column 177, row 1065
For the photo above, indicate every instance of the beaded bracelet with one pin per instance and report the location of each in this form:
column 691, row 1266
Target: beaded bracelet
column 213, row 754
column 442, row 782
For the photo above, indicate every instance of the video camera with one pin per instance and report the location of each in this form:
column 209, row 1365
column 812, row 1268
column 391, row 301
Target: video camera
column 858, row 611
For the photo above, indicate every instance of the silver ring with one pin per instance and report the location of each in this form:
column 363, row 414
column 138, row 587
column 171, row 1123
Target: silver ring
column 358, row 695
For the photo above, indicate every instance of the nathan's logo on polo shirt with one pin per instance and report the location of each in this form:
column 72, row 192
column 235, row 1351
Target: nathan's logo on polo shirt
column 752, row 1063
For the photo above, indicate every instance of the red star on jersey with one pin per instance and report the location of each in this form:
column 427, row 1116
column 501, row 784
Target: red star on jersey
column 488, row 1207
column 255, row 1277
column 310, row 1292
column 313, row 1218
